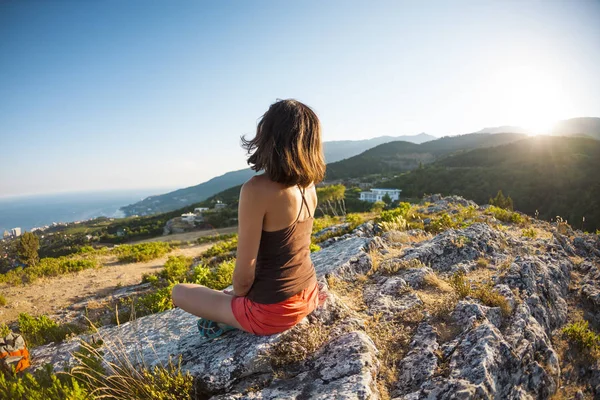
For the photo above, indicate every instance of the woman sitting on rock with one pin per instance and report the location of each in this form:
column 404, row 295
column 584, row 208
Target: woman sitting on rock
column 274, row 281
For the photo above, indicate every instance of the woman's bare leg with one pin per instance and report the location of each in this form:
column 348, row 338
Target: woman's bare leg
column 205, row 303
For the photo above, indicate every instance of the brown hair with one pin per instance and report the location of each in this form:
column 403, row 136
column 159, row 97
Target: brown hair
column 287, row 145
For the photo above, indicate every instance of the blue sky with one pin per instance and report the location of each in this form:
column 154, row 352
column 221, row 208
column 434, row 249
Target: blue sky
column 126, row 95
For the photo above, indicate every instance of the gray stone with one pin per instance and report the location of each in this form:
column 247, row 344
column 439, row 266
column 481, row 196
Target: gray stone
column 420, row 363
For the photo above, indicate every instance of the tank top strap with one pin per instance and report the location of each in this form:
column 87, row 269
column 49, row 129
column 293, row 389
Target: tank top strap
column 302, row 192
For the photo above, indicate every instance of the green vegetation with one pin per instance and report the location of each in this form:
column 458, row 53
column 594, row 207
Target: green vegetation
column 2, row 300
column 96, row 378
column 490, row 298
column 582, row 336
column 395, row 157
column 215, row 238
column 45, row 268
column 331, row 199
column 314, row 248
column 179, row 270
column 142, row 252
column 222, row 248
column 324, row 222
column 529, row 232
column 460, row 284
column 4, row 330
column 27, row 249
column 501, row 201
column 41, row 330
column 505, row 215
column 555, row 175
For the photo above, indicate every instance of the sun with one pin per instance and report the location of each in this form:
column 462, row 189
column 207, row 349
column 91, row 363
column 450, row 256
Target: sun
column 530, row 97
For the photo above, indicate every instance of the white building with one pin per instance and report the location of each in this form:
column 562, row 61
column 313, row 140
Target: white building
column 188, row 217
column 16, row 232
column 378, row 194
column 219, row 205
column 200, row 210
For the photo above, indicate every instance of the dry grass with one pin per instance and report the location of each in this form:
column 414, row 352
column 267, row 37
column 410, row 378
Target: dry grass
column 576, row 260
column 490, row 298
column 299, row 343
column 391, row 338
column 482, row 262
column 392, row 266
column 435, row 281
column 351, row 293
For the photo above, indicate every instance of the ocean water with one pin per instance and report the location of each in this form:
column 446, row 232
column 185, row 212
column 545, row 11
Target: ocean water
column 35, row 211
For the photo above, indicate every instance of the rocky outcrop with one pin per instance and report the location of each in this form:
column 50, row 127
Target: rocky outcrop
column 490, row 352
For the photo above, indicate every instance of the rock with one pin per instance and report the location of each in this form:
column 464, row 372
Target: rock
column 455, row 246
column 475, row 351
column 342, row 369
column 420, row 363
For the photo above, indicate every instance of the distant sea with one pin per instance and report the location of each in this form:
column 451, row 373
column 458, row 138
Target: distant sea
column 36, row 211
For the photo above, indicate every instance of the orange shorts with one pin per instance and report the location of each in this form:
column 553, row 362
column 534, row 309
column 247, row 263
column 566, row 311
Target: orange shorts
column 268, row 319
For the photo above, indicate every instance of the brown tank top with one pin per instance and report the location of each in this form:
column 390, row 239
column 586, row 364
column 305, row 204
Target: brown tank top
column 283, row 264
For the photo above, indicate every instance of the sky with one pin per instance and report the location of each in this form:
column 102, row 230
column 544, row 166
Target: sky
column 128, row 94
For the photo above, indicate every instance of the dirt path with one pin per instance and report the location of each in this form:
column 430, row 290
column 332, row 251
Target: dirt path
column 49, row 295
column 189, row 236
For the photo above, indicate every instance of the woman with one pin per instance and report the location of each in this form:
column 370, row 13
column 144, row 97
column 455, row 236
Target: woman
column 274, row 281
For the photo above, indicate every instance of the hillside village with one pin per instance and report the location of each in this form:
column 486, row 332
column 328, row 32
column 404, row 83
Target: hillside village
column 441, row 299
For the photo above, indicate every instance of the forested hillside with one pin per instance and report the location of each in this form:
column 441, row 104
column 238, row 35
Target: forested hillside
column 403, row 156
column 557, row 176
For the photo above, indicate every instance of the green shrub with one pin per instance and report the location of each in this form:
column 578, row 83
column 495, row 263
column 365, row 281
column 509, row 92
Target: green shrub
column 47, row 267
column 392, row 215
column 157, row 301
column 441, row 223
column 222, row 276
column 4, row 330
column 354, row 219
column 150, row 278
column 460, row 284
column 505, row 215
column 529, row 232
column 324, row 222
column 215, row 238
column 314, row 248
column 222, row 248
column 399, row 223
column 40, row 330
column 96, row 378
column 42, row 385
column 142, row 252
column 177, row 268
column 2, row 300
column 581, row 335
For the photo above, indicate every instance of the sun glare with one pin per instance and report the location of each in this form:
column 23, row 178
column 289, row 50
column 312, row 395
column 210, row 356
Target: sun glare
column 528, row 97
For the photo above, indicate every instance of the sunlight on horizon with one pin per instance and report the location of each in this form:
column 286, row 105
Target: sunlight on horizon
column 528, row 96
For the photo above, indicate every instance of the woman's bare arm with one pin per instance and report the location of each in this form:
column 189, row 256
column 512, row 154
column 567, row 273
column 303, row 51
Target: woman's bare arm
column 251, row 212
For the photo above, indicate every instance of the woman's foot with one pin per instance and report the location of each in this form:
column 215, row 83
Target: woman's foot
column 210, row 329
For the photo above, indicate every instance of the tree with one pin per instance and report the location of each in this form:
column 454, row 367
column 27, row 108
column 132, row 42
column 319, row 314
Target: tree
column 331, row 198
column 378, row 206
column 387, row 199
column 501, row 201
column 27, row 249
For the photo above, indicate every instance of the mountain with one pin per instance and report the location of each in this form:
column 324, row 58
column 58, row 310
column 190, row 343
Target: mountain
column 505, row 129
column 585, row 126
column 182, row 197
column 334, row 151
column 342, row 149
column 549, row 175
column 403, row 156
